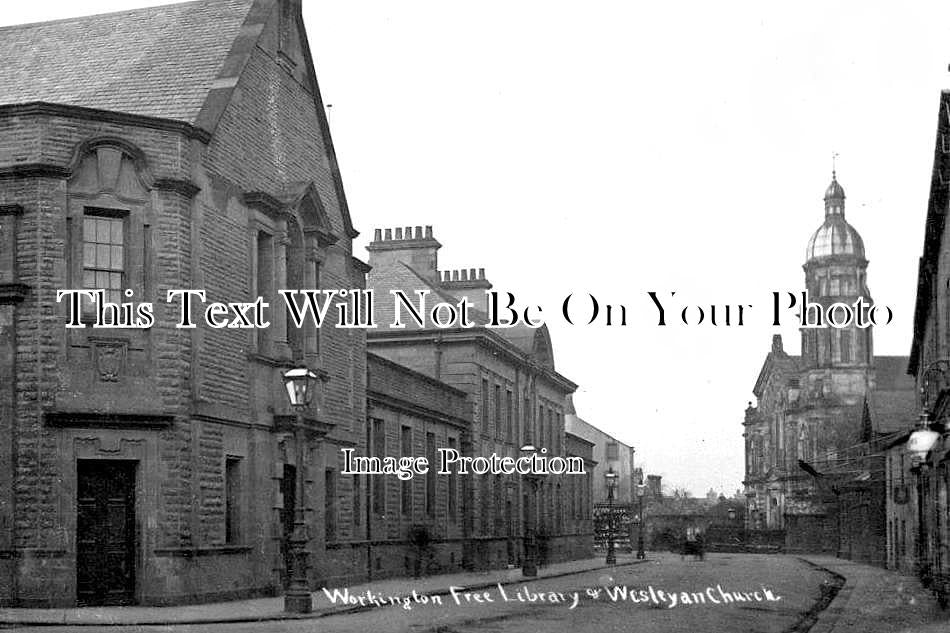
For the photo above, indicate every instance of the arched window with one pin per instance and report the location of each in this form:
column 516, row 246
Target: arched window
column 846, row 345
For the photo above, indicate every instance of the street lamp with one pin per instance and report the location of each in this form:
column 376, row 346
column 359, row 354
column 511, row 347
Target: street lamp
column 529, row 566
column 300, row 383
column 610, row 477
column 918, row 445
column 922, row 440
column 641, row 491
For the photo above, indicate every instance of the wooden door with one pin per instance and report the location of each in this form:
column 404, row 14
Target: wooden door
column 105, row 532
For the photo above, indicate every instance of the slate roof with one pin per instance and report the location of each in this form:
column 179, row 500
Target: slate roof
column 892, row 405
column 158, row 61
column 890, row 373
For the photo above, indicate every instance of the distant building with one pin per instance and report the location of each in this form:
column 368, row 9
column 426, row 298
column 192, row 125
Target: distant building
column 610, row 454
column 817, row 413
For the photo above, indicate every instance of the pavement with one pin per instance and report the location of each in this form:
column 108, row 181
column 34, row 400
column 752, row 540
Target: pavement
column 875, row 600
column 268, row 609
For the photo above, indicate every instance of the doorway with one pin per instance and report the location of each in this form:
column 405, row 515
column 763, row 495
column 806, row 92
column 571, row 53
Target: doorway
column 288, row 489
column 105, row 532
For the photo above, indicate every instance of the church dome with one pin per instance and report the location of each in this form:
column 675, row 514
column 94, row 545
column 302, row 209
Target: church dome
column 834, row 190
column 835, row 236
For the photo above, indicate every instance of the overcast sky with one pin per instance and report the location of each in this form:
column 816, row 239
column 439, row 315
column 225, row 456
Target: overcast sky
column 617, row 148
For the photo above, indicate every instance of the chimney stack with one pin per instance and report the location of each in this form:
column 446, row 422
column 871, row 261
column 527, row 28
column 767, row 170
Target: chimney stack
column 413, row 246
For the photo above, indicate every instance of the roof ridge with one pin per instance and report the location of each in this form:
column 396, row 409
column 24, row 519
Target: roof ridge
column 89, row 16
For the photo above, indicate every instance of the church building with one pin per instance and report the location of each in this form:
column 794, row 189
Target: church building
column 807, row 438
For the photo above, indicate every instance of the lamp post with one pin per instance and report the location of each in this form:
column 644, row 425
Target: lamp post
column 610, row 477
column 300, row 383
column 641, row 491
column 918, row 445
column 529, row 566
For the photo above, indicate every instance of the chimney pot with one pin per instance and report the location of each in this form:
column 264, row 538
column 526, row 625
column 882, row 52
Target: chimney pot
column 481, row 273
column 418, row 232
column 464, row 275
column 398, row 233
column 408, row 232
column 471, row 274
column 429, row 232
column 389, row 234
column 378, row 235
column 455, row 275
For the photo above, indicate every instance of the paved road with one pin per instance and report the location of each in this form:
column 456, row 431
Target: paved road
column 775, row 590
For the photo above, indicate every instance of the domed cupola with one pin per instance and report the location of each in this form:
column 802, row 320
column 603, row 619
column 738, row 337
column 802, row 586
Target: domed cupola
column 835, row 237
column 836, row 271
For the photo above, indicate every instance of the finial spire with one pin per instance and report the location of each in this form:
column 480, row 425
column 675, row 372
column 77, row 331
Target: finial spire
column 834, row 156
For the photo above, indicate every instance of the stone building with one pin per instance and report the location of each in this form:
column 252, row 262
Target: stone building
column 415, row 525
column 816, row 412
column 172, row 147
column 610, row 454
column 918, row 486
column 508, row 374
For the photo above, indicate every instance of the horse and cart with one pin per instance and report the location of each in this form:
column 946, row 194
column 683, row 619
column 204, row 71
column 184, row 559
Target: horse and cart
column 693, row 544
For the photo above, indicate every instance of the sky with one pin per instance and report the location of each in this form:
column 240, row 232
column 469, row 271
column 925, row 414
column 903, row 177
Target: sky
column 616, row 148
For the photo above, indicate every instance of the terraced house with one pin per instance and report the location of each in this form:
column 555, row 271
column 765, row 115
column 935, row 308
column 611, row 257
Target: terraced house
column 172, row 147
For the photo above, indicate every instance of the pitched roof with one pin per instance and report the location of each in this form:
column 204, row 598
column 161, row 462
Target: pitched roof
column 892, row 410
column 892, row 404
column 890, row 373
column 158, row 61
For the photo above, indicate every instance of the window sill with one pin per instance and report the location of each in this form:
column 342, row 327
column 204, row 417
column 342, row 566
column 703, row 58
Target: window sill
column 190, row 552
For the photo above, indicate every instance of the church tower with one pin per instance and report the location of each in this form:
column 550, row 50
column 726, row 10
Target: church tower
column 835, row 272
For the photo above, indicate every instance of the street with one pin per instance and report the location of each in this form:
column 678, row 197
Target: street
column 667, row 593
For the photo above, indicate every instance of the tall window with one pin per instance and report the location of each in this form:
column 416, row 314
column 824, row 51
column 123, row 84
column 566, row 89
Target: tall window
column 541, row 431
column 405, row 504
column 509, row 414
column 484, row 411
column 264, row 261
column 232, row 500
column 379, row 481
column 357, row 499
column 498, row 429
column 430, row 474
column 613, row 452
column 103, row 252
column 453, row 485
column 485, row 503
column 329, row 482
column 845, row 346
column 496, row 500
column 315, row 331
column 526, row 412
column 293, row 265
